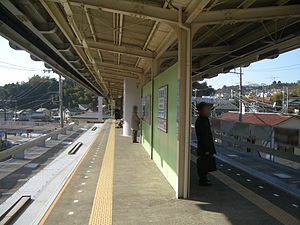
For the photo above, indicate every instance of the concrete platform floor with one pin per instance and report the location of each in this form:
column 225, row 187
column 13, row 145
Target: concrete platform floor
column 141, row 195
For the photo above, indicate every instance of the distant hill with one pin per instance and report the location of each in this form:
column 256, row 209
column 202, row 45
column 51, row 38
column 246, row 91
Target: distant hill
column 201, row 89
column 267, row 87
column 42, row 91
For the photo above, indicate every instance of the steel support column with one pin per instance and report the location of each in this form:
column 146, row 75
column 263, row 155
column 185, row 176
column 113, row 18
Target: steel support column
column 184, row 107
column 131, row 97
column 154, row 72
column 100, row 110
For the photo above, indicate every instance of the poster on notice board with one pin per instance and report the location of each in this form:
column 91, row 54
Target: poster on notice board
column 163, row 108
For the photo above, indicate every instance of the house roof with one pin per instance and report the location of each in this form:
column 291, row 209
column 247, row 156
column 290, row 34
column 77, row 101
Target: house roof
column 83, row 107
column 227, row 105
column 73, row 110
column 270, row 119
column 87, row 115
column 42, row 110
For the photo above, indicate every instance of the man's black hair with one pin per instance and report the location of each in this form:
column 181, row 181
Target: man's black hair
column 201, row 106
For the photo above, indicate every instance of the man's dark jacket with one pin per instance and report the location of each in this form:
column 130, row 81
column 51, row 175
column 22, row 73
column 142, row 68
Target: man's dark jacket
column 204, row 136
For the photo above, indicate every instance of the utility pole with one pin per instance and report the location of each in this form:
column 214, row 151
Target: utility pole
column 256, row 97
column 5, row 133
column 240, row 97
column 283, row 108
column 60, row 103
column 287, row 99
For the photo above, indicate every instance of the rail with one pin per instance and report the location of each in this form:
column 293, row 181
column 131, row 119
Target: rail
column 16, row 149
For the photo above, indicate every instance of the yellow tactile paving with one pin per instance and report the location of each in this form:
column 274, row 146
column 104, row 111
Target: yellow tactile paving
column 102, row 207
column 279, row 214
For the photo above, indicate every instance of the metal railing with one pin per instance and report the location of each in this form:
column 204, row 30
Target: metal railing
column 19, row 148
column 254, row 147
column 28, row 124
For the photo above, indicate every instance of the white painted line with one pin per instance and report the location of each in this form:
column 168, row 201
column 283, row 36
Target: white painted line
column 282, row 175
column 232, row 155
column 276, row 195
column 6, row 193
column 23, row 180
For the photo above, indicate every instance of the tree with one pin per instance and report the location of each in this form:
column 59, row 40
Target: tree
column 201, row 89
column 277, row 98
column 42, row 91
column 298, row 88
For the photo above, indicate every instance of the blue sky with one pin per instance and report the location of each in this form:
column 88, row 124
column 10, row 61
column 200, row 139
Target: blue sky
column 285, row 68
column 18, row 66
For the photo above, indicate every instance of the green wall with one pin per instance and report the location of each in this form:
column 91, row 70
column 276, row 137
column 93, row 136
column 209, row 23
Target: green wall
column 164, row 144
column 146, row 129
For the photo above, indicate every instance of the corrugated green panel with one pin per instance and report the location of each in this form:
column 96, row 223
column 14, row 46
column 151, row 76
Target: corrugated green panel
column 145, row 126
column 165, row 144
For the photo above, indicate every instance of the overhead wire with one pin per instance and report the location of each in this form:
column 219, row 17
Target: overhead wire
column 18, row 66
column 29, row 91
column 29, row 104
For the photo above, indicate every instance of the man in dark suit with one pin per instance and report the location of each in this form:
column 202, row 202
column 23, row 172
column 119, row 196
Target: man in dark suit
column 206, row 147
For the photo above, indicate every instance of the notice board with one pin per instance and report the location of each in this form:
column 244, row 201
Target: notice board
column 163, row 108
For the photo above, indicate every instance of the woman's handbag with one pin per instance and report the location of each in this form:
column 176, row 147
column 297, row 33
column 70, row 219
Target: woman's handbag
column 207, row 163
column 211, row 163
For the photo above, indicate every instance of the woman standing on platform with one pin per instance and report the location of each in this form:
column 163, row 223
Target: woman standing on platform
column 135, row 123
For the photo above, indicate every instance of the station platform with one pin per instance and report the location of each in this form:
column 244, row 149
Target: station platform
column 116, row 183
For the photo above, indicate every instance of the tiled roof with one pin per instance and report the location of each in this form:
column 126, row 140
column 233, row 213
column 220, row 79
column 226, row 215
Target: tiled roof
column 270, row 119
column 87, row 115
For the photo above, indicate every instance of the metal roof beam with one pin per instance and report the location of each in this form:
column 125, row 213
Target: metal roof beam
column 126, row 50
column 113, row 76
column 194, row 9
column 90, row 22
column 230, row 16
column 200, row 51
column 118, row 74
column 120, row 67
column 130, row 8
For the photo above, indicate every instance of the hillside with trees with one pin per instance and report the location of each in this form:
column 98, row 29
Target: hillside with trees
column 201, row 89
column 42, row 91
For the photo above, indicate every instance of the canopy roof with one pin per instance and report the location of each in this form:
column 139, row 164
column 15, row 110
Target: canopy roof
column 99, row 43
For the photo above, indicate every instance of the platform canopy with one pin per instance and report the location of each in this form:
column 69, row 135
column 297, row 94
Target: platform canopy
column 98, row 43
